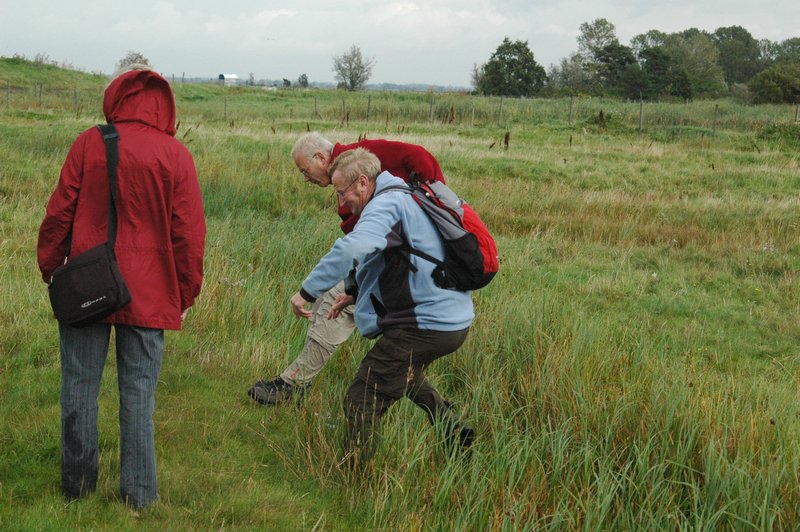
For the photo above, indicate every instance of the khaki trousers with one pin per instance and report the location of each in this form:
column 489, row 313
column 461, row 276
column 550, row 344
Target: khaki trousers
column 322, row 338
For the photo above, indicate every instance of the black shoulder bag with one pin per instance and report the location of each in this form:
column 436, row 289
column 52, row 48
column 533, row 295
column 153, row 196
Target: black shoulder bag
column 89, row 287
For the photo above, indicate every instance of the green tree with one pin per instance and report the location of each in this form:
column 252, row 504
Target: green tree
column 477, row 74
column 768, row 51
column 302, row 81
column 664, row 79
column 739, row 53
column 788, row 51
column 646, row 41
column 681, row 85
column 616, row 69
column 512, row 71
column 779, row 83
column 693, row 52
column 656, row 68
column 594, row 36
column 632, row 82
column 352, row 70
column 570, row 76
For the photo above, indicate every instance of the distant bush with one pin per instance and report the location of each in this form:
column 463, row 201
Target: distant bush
column 604, row 120
column 740, row 91
column 777, row 84
column 786, row 133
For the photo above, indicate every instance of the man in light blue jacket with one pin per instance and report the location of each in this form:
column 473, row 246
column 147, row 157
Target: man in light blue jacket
column 397, row 301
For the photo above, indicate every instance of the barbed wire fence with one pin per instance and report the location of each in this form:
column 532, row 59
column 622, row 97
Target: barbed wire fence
column 395, row 110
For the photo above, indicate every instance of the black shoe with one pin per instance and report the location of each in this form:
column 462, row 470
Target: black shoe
column 457, row 434
column 460, row 435
column 277, row 391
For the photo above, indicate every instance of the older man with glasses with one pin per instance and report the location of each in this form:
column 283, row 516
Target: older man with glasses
column 416, row 322
column 313, row 155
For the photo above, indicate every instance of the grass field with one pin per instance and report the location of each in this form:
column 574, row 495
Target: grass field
column 634, row 365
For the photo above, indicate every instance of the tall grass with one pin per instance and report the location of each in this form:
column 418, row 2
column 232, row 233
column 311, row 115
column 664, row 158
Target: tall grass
column 633, row 366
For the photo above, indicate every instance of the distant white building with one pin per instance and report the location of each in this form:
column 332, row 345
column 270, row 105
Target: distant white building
column 229, row 79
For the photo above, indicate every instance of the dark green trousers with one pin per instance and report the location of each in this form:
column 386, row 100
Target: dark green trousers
column 392, row 369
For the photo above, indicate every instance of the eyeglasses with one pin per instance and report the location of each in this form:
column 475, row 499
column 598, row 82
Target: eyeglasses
column 341, row 193
column 304, row 171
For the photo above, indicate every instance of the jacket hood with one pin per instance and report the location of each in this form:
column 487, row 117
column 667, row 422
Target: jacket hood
column 141, row 96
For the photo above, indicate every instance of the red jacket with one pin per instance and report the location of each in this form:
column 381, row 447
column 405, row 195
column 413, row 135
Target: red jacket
column 161, row 224
column 397, row 158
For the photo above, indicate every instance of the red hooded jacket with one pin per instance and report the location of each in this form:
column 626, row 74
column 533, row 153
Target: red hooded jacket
column 161, row 225
column 399, row 159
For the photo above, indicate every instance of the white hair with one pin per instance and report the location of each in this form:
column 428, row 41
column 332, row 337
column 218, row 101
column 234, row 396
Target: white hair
column 311, row 143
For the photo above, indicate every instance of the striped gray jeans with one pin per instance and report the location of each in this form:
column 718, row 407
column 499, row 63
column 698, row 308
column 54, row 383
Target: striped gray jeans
column 83, row 356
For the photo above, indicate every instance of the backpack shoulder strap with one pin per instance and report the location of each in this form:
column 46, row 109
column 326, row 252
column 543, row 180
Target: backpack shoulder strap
column 410, row 188
column 405, row 188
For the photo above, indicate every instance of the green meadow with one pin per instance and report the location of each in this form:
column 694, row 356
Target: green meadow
column 635, row 365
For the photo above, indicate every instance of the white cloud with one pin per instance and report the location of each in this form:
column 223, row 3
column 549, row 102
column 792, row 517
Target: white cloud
column 397, row 9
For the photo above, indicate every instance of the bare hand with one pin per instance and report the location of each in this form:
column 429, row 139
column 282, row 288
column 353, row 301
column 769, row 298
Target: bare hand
column 299, row 309
column 184, row 314
column 342, row 301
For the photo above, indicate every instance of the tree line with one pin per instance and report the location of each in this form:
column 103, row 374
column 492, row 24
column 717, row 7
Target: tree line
column 655, row 66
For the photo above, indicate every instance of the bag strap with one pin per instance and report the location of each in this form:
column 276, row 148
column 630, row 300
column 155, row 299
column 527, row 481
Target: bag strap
column 111, row 137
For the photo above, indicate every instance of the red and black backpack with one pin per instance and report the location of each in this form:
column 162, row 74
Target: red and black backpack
column 470, row 253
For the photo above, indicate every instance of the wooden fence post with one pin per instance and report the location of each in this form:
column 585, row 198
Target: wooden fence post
column 430, row 111
column 500, row 113
column 641, row 113
column 75, row 99
column 8, row 95
column 369, row 106
column 570, row 109
column 714, row 128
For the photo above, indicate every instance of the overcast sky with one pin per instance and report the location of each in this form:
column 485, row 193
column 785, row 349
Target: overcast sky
column 412, row 41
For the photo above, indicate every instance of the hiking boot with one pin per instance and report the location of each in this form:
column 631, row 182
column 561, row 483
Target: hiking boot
column 276, row 392
column 457, row 434
column 460, row 435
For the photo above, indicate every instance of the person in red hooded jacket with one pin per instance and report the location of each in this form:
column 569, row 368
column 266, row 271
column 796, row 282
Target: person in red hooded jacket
column 159, row 247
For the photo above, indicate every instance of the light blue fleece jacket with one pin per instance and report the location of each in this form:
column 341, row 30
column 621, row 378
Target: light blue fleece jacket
column 391, row 293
